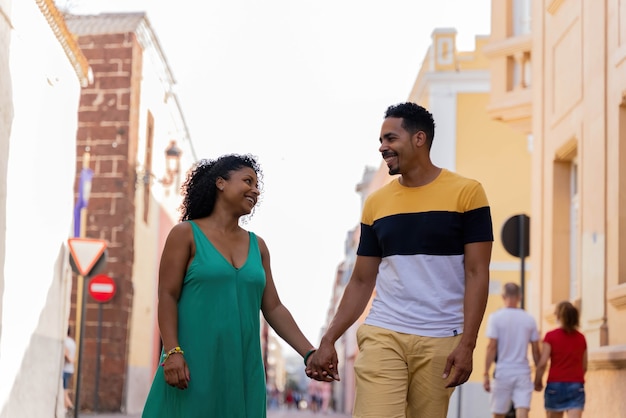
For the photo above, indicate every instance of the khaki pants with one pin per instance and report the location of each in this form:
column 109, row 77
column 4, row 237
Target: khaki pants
column 399, row 375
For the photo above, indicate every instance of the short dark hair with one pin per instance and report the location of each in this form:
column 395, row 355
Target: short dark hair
column 414, row 118
column 512, row 290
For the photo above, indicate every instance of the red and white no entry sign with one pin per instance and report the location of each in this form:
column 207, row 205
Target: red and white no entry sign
column 102, row 288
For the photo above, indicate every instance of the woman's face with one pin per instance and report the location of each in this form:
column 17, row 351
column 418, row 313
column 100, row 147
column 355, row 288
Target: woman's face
column 241, row 190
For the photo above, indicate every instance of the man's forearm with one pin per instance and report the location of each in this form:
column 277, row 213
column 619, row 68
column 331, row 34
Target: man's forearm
column 475, row 303
column 355, row 298
column 490, row 358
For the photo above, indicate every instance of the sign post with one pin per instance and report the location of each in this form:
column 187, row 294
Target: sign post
column 87, row 256
column 515, row 238
column 102, row 289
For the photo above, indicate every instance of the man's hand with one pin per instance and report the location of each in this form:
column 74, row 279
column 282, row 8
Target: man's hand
column 461, row 361
column 487, row 383
column 322, row 364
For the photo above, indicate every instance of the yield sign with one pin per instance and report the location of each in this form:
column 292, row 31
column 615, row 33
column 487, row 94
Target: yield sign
column 86, row 252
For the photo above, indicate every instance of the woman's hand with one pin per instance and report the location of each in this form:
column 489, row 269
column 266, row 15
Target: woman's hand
column 176, row 371
column 322, row 364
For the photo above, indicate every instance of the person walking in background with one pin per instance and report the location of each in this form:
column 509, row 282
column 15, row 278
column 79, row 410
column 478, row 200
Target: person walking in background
column 214, row 279
column 510, row 330
column 314, row 393
column 326, row 392
column 425, row 245
column 566, row 350
column 69, row 354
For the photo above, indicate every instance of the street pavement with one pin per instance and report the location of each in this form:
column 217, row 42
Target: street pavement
column 272, row 413
column 286, row 413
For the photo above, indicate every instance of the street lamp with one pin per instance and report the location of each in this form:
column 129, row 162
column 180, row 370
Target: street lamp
column 172, row 162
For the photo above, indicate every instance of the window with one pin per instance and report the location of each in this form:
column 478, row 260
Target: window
column 521, row 17
column 565, row 225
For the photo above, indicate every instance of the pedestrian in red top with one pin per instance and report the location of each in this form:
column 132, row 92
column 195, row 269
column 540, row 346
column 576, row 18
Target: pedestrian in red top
column 566, row 349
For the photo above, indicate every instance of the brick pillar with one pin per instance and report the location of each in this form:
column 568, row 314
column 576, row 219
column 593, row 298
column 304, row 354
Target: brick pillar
column 107, row 128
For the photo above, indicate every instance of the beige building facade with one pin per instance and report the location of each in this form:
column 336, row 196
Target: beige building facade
column 559, row 75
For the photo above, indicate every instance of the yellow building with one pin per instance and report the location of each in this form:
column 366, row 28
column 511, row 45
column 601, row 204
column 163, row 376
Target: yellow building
column 455, row 86
column 575, row 54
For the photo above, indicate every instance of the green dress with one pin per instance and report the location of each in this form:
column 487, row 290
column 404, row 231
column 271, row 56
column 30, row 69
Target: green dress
column 219, row 331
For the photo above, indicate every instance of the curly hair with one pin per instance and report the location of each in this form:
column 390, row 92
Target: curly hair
column 200, row 190
column 568, row 315
column 414, row 118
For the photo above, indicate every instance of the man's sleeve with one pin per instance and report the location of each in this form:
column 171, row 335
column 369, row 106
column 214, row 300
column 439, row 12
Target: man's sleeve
column 477, row 223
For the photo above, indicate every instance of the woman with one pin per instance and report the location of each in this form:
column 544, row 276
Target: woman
column 214, row 278
column 566, row 348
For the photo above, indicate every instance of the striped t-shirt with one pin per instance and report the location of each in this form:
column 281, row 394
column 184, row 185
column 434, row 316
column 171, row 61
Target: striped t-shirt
column 420, row 234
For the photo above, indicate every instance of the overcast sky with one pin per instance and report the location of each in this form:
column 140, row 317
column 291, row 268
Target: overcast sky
column 303, row 86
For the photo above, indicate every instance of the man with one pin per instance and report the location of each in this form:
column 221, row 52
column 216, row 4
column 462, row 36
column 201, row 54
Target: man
column 510, row 330
column 425, row 245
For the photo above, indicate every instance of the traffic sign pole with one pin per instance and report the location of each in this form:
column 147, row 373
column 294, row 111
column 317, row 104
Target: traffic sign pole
column 522, row 245
column 515, row 239
column 96, row 392
column 79, row 340
column 102, row 289
column 80, row 289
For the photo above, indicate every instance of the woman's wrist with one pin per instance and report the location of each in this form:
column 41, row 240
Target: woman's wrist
column 175, row 350
column 308, row 354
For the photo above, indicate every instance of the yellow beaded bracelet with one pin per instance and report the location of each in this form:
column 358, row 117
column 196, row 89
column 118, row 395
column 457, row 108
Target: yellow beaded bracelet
column 175, row 350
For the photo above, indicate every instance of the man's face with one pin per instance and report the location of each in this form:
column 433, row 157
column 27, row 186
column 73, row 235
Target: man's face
column 395, row 145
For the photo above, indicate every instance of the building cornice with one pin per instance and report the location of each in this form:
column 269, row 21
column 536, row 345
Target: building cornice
column 453, row 81
column 617, row 296
column 610, row 357
column 508, row 46
column 67, row 40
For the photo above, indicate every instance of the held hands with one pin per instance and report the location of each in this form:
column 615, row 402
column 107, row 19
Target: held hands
column 461, row 360
column 176, row 371
column 538, row 385
column 322, row 364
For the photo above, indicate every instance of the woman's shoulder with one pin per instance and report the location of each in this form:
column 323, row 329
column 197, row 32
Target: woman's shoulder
column 183, row 226
column 180, row 231
column 554, row 333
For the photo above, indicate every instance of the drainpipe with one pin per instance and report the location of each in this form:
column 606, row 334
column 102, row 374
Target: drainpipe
column 604, row 328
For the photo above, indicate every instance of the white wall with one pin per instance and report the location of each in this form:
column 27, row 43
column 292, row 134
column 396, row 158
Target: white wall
column 39, row 208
